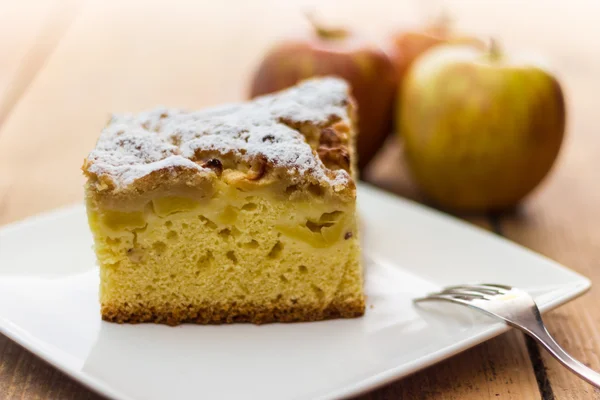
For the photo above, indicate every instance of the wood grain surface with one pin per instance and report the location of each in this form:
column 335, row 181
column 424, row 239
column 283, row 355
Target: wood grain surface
column 29, row 32
column 67, row 65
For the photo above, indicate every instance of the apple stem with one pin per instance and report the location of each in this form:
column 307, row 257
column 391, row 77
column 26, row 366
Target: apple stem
column 324, row 32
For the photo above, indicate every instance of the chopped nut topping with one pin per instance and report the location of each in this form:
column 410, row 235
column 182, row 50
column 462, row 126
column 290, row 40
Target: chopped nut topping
column 329, row 138
column 336, row 156
column 258, row 169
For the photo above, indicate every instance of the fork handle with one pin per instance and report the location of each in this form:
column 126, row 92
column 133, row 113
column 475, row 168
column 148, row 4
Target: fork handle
column 543, row 337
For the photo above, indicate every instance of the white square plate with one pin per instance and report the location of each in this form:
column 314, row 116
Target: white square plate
column 49, row 304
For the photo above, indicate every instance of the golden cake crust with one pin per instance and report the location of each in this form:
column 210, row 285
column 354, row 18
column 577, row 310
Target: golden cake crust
column 298, row 138
column 232, row 313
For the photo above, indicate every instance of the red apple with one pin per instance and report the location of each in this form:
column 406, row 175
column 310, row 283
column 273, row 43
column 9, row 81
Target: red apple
column 406, row 46
column 338, row 52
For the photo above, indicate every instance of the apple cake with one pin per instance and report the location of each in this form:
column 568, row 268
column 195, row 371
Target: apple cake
column 240, row 213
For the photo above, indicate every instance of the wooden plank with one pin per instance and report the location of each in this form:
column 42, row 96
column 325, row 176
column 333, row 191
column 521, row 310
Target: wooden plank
column 19, row 30
column 487, row 371
column 29, row 32
column 24, row 376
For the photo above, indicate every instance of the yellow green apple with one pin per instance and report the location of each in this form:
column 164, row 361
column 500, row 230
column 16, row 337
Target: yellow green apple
column 481, row 129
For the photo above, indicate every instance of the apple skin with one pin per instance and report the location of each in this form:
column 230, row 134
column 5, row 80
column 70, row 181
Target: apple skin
column 364, row 66
column 480, row 131
column 405, row 47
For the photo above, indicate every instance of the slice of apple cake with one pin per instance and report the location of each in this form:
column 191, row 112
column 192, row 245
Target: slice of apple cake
column 245, row 212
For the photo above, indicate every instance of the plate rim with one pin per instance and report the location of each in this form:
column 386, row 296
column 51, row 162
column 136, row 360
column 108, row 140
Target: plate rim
column 495, row 329
column 43, row 349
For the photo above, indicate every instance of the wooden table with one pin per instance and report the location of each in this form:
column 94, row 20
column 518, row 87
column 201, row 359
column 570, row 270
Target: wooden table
column 64, row 65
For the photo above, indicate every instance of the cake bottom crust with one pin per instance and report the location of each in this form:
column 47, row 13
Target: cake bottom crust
column 232, row 313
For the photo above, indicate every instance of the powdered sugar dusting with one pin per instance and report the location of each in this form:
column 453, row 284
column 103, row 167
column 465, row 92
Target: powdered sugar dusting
column 133, row 146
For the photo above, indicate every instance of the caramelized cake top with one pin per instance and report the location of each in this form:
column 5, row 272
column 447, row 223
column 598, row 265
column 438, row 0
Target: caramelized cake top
column 298, row 138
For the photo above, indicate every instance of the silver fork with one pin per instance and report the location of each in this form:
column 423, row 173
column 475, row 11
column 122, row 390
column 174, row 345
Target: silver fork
column 518, row 309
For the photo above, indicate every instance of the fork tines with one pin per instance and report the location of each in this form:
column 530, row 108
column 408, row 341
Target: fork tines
column 459, row 293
